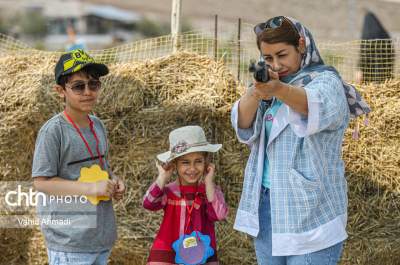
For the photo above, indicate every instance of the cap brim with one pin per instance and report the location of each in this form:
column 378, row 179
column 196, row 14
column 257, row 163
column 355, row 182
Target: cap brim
column 100, row 68
column 211, row 148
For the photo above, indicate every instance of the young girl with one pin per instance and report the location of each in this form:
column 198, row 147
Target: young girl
column 191, row 203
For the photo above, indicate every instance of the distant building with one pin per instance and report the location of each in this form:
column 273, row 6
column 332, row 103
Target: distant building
column 95, row 25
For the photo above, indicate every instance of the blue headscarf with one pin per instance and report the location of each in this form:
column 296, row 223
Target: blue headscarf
column 312, row 65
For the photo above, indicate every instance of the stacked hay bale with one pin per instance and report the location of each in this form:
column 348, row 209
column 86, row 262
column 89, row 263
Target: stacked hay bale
column 373, row 174
column 142, row 102
column 24, row 80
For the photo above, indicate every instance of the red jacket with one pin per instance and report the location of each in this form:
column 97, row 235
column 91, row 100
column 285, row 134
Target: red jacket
column 203, row 216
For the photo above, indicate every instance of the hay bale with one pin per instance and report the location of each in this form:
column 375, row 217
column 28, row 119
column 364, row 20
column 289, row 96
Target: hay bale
column 140, row 104
column 373, row 174
column 143, row 101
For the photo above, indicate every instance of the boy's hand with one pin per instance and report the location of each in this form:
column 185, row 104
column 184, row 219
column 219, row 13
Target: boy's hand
column 164, row 173
column 119, row 189
column 209, row 174
column 103, row 188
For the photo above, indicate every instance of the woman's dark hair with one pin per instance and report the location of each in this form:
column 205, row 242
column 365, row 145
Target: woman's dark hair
column 285, row 33
column 87, row 71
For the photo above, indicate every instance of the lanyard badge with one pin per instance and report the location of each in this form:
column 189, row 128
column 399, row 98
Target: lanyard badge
column 91, row 175
column 194, row 248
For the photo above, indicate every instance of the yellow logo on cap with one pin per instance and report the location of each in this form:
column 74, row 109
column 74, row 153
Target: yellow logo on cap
column 80, row 57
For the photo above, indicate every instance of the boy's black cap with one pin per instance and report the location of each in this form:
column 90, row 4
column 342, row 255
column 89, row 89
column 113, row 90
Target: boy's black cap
column 76, row 60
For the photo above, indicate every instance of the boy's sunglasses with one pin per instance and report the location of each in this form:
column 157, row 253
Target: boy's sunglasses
column 78, row 87
column 272, row 23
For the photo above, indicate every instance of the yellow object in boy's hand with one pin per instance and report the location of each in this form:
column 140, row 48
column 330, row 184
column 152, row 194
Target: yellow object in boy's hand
column 94, row 174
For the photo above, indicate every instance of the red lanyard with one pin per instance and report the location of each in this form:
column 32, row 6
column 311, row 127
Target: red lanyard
column 84, row 140
column 189, row 209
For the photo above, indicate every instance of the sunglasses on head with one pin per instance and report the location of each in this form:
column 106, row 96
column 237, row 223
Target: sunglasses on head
column 78, row 87
column 272, row 23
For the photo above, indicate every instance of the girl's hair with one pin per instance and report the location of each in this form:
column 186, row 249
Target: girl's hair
column 87, row 71
column 285, row 33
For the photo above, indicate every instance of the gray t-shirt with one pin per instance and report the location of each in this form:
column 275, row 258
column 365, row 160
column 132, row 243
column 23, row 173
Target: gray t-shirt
column 72, row 225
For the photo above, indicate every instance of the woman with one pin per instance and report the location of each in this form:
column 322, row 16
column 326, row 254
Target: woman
column 294, row 198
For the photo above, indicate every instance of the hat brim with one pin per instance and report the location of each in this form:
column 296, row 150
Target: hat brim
column 211, row 148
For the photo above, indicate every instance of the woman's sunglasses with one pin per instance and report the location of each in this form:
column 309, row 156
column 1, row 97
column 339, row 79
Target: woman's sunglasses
column 78, row 87
column 272, row 23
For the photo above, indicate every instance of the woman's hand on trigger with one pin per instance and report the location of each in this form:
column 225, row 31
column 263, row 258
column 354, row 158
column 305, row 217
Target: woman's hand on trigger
column 268, row 89
column 164, row 173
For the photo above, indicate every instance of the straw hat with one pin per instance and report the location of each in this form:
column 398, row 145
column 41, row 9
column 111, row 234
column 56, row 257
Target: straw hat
column 187, row 140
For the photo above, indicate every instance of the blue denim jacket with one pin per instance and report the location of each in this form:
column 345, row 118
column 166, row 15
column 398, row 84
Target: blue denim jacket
column 308, row 188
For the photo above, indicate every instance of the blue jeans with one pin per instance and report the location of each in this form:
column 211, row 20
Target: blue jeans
column 77, row 258
column 263, row 243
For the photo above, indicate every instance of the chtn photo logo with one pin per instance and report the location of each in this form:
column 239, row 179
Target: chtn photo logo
column 19, row 197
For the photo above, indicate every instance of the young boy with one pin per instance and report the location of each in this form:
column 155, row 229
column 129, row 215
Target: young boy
column 76, row 229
